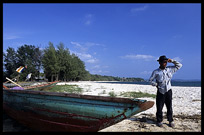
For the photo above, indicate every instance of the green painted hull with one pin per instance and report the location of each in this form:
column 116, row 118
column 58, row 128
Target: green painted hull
column 49, row 111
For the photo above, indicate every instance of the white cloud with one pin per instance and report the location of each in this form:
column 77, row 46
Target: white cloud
column 84, row 55
column 89, row 56
column 82, row 51
column 11, row 34
column 94, row 60
column 178, row 59
column 99, row 71
column 84, row 47
column 10, row 37
column 81, row 48
column 138, row 56
column 88, row 22
column 96, row 66
column 76, row 44
column 91, row 44
column 88, row 16
column 99, row 67
column 142, row 8
column 88, row 19
column 146, row 73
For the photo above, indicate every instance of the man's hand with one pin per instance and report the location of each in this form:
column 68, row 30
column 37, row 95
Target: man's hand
column 169, row 60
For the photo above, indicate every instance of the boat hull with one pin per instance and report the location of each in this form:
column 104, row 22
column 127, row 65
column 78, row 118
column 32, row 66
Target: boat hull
column 47, row 111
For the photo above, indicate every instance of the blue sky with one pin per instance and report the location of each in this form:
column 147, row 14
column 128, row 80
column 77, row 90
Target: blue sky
column 122, row 40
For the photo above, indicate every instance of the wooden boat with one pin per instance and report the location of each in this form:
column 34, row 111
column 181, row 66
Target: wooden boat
column 52, row 111
column 33, row 86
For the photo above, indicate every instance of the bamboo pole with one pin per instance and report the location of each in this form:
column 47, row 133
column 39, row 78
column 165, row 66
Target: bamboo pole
column 12, row 79
column 14, row 82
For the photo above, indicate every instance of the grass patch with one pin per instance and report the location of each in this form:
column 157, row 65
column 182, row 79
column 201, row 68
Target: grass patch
column 112, row 94
column 62, row 88
column 104, row 92
column 137, row 94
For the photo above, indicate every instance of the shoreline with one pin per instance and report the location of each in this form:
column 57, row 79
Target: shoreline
column 173, row 83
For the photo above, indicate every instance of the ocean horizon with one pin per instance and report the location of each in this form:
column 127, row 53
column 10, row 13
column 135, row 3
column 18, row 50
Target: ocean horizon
column 183, row 83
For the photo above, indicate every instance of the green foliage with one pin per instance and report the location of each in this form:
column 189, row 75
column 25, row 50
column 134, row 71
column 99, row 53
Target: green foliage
column 50, row 62
column 111, row 78
column 10, row 61
column 64, row 59
column 63, row 88
column 25, row 55
column 137, row 94
column 63, row 65
column 133, row 79
column 112, row 94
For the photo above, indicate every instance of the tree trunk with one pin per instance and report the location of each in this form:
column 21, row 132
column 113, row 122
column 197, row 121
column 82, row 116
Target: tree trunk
column 52, row 78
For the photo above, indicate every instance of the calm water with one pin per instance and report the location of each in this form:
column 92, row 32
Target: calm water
column 173, row 83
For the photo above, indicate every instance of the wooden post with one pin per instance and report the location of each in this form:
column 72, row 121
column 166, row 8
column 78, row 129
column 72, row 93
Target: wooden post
column 13, row 82
column 5, row 87
column 12, row 79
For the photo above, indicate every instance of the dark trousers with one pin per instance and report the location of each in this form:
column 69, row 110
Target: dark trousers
column 162, row 99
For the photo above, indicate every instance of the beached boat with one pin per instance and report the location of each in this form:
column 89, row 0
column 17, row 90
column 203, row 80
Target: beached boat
column 39, row 86
column 53, row 111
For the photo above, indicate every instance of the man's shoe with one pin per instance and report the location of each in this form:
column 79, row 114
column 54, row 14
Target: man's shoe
column 171, row 124
column 159, row 124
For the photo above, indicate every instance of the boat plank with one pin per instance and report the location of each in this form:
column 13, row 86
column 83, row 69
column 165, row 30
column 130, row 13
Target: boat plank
column 54, row 111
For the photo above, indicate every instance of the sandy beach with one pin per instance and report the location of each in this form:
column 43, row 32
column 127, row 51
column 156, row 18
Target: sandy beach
column 186, row 108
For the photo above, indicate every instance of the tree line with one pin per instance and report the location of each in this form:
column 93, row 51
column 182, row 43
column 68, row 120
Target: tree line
column 57, row 64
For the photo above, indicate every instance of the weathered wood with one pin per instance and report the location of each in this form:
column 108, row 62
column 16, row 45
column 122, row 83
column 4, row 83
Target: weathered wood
column 5, row 87
column 13, row 82
column 39, row 86
column 12, row 79
column 53, row 111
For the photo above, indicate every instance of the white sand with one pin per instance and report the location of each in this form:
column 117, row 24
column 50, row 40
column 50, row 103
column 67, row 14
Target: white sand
column 186, row 100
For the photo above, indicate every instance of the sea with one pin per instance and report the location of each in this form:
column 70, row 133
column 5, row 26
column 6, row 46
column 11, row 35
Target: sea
column 182, row 83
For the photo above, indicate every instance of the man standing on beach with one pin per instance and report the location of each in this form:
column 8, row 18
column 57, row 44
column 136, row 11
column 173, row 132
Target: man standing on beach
column 163, row 76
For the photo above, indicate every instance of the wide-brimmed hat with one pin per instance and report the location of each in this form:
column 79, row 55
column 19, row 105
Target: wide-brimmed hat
column 162, row 58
